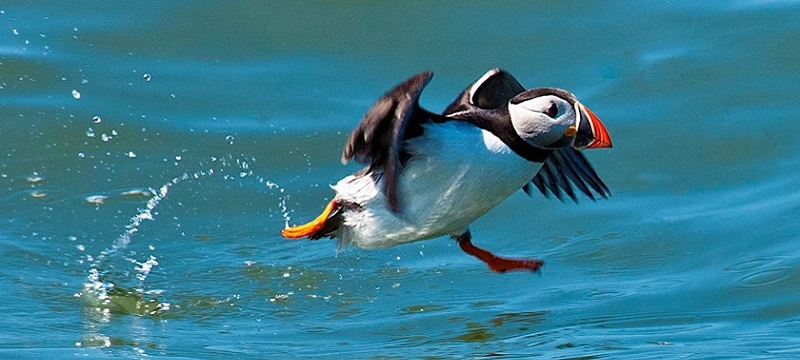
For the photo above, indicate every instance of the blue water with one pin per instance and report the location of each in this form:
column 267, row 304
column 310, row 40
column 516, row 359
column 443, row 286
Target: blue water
column 152, row 151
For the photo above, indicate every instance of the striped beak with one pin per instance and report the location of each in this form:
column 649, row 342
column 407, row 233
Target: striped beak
column 592, row 134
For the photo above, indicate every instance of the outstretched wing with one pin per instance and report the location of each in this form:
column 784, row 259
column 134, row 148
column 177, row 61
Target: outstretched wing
column 562, row 169
column 378, row 140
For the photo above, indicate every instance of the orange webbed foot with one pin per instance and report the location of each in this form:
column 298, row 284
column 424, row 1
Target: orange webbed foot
column 313, row 227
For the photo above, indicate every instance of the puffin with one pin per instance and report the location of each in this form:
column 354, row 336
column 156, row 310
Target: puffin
column 429, row 175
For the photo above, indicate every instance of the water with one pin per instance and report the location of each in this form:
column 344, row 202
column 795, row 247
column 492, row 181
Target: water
column 151, row 152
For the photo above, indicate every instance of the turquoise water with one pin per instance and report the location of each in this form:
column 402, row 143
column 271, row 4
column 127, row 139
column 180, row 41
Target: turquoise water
column 151, row 152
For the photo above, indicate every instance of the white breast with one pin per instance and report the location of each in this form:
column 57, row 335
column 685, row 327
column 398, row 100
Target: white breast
column 456, row 174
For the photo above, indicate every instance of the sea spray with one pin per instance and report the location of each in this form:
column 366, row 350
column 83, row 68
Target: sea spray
column 98, row 291
column 106, row 295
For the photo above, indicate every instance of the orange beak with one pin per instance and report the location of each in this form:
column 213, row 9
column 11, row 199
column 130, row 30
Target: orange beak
column 592, row 134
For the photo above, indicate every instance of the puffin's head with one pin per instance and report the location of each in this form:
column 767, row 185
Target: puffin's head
column 551, row 118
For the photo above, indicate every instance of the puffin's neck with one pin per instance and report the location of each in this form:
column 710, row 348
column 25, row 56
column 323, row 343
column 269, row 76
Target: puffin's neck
column 498, row 123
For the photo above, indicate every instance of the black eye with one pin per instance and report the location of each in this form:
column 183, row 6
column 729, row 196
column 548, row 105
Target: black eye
column 552, row 111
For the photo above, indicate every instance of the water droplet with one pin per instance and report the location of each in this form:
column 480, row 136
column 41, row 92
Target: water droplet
column 80, row 247
column 229, row 139
column 72, row 238
column 96, row 199
column 97, row 119
column 131, row 154
column 35, row 178
column 14, row 31
column 105, row 137
column 138, row 193
column 146, row 77
column 178, row 158
column 81, row 155
column 90, row 132
column 76, row 94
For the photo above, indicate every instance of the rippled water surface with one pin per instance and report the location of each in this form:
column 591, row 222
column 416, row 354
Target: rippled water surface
column 152, row 151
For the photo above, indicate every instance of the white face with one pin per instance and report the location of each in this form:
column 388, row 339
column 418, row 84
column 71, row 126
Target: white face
column 543, row 121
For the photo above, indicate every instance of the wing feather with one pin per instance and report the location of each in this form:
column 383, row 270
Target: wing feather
column 378, row 140
column 565, row 167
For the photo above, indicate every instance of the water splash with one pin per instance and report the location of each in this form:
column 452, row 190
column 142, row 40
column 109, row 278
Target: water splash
column 281, row 200
column 144, row 214
column 105, row 295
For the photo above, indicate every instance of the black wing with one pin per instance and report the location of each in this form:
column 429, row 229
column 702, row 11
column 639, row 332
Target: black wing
column 562, row 168
column 378, row 140
column 567, row 166
column 493, row 90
